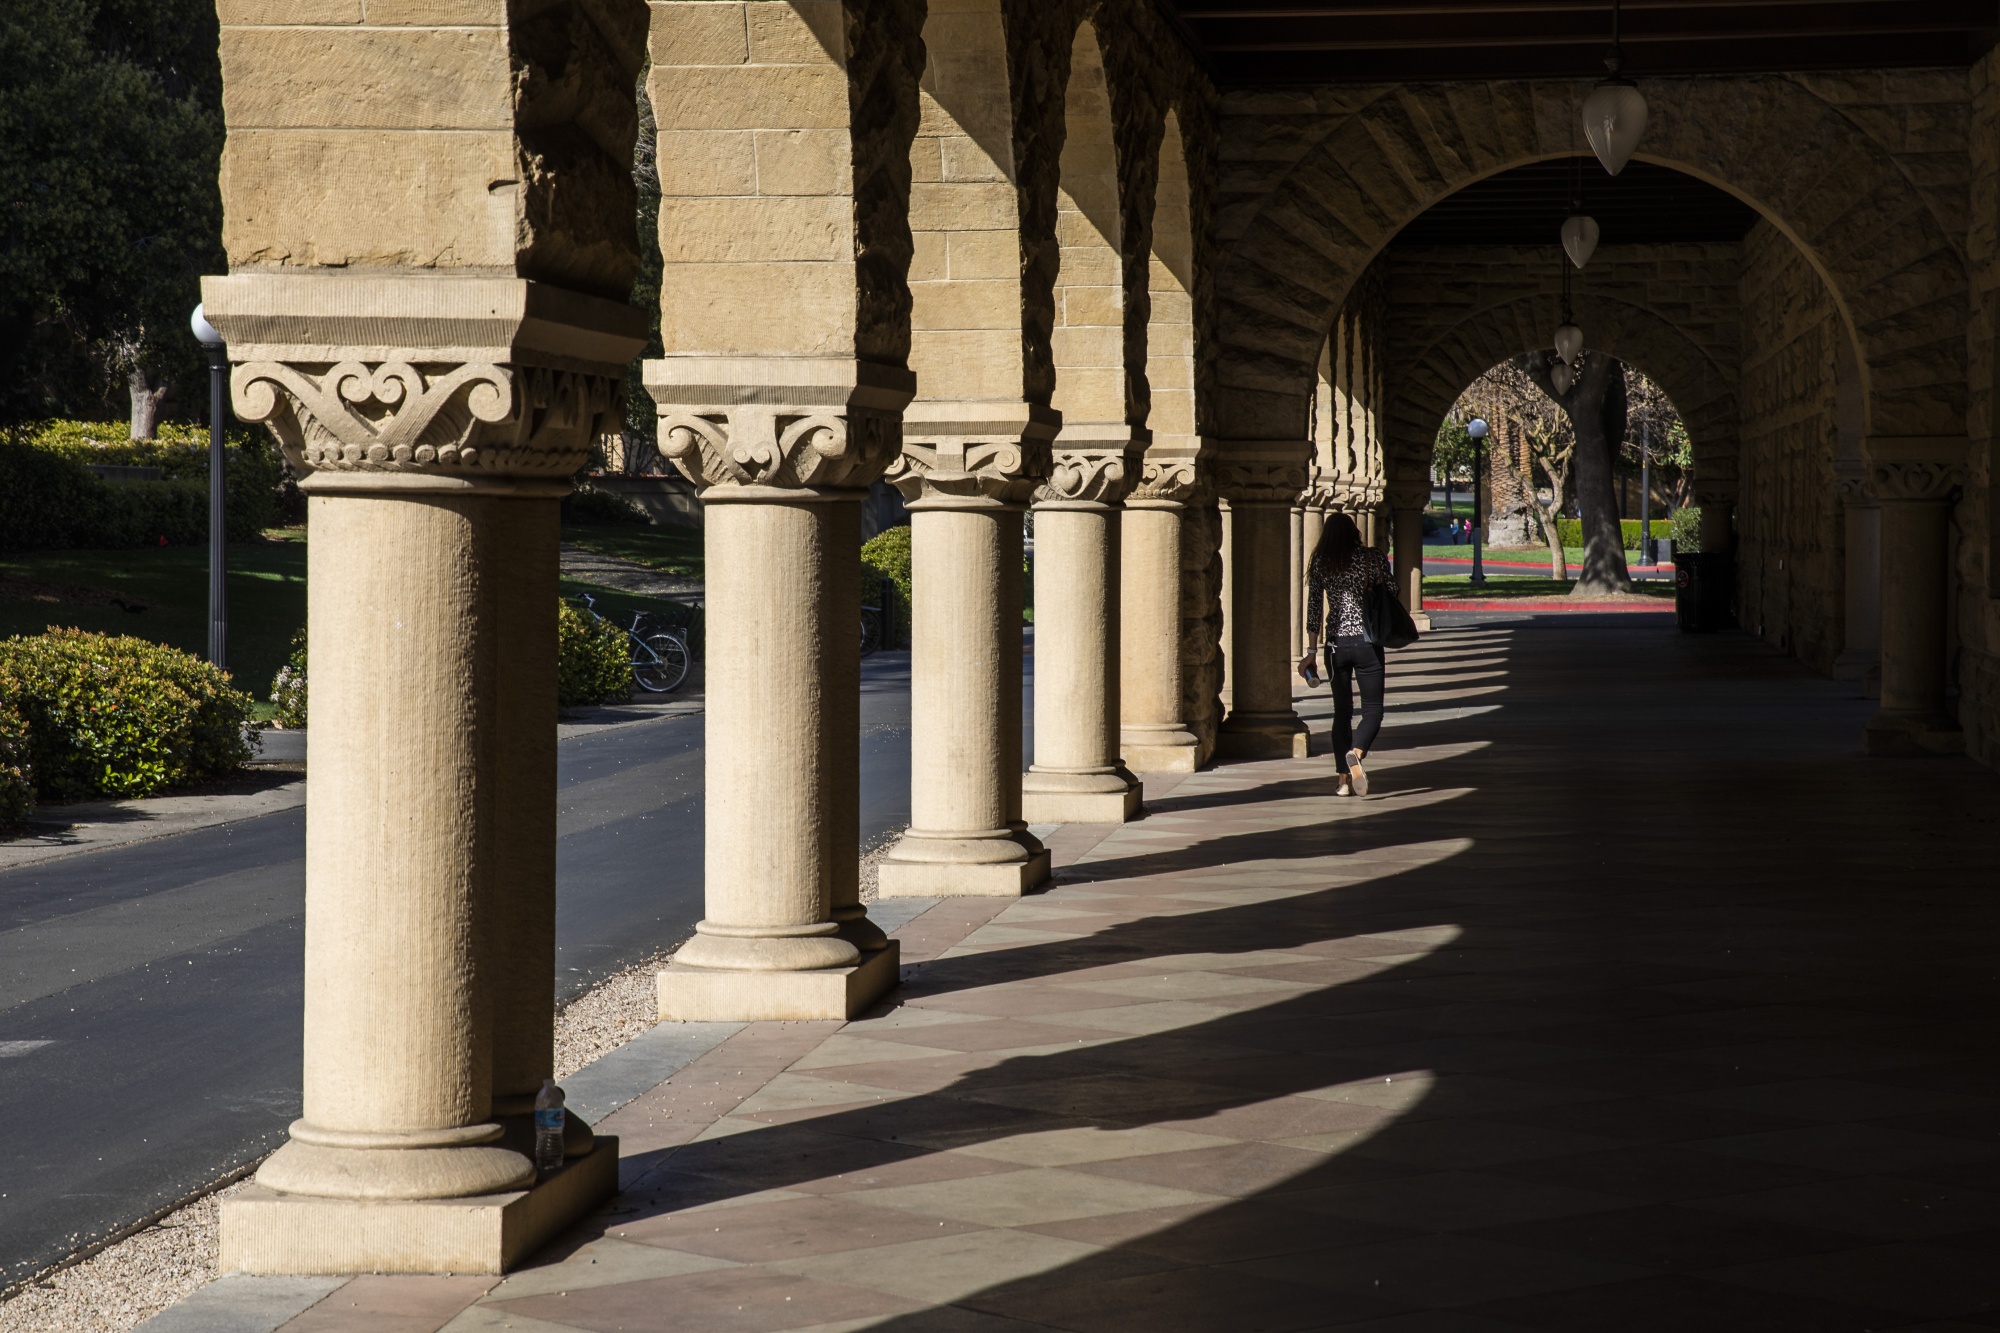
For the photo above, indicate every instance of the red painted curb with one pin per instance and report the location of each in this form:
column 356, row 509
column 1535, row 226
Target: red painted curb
column 1531, row 604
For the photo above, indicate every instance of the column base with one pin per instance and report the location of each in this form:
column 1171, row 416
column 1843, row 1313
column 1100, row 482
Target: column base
column 1854, row 666
column 264, row 1231
column 1422, row 620
column 1913, row 734
column 940, row 879
column 1263, row 736
column 1080, row 798
column 1153, row 752
column 717, row 995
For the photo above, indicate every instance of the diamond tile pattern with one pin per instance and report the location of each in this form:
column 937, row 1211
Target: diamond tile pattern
column 1641, row 1001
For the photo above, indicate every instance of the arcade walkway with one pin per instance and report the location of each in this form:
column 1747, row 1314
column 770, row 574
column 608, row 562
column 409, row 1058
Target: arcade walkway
column 1636, row 999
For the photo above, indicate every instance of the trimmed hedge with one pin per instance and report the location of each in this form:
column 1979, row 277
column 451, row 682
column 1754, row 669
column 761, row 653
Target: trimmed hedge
column 17, row 772
column 120, row 716
column 593, row 660
column 886, row 555
column 1572, row 531
column 50, row 500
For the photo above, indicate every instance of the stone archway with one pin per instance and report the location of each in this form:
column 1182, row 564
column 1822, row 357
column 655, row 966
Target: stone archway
column 1849, row 204
column 1423, row 389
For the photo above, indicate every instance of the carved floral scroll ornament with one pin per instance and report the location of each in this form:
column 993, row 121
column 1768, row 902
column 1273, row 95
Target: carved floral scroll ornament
column 1091, row 475
column 755, row 444
column 1004, row 469
column 398, row 416
column 1169, row 481
column 1920, row 482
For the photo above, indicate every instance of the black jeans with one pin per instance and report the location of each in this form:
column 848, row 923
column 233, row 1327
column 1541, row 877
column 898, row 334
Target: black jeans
column 1348, row 660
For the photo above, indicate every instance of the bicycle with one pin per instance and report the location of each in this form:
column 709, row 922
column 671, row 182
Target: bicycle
column 660, row 654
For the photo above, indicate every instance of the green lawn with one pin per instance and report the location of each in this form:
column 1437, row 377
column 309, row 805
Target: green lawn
column 1447, row 587
column 675, row 551
column 166, row 591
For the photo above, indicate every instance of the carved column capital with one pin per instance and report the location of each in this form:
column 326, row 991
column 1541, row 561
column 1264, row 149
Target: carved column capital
column 455, row 379
column 1260, row 473
column 1850, row 481
column 973, row 455
column 1093, row 465
column 1173, row 474
column 1916, row 482
column 1408, row 495
column 743, row 427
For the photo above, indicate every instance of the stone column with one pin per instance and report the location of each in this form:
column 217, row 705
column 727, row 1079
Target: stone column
column 433, row 464
column 1077, row 776
column 784, row 450
column 1916, row 498
column 1407, row 503
column 1295, row 582
column 1153, row 733
column 1861, row 652
column 1257, row 483
column 523, row 563
column 1317, row 499
column 967, row 471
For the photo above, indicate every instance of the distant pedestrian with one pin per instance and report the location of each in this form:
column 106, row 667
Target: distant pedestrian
column 1339, row 577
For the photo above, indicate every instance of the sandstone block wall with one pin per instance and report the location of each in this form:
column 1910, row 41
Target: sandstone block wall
column 1976, row 518
column 468, row 135
column 1791, row 572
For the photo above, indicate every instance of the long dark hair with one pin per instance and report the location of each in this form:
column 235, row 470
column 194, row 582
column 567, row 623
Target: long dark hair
column 1338, row 541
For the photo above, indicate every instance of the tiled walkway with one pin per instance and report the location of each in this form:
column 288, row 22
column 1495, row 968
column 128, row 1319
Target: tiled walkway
column 1635, row 999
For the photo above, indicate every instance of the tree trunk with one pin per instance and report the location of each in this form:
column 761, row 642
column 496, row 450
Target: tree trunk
column 1603, row 573
column 146, row 399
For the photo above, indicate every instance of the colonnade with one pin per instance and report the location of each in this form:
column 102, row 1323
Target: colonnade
column 888, row 250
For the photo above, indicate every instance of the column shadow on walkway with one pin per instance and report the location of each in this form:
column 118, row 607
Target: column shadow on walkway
column 1640, row 1002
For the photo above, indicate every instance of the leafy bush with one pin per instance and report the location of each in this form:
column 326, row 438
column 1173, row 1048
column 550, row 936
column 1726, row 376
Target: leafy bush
column 120, row 716
column 1687, row 529
column 17, row 773
column 886, row 555
column 50, row 500
column 288, row 687
column 593, row 660
column 590, row 507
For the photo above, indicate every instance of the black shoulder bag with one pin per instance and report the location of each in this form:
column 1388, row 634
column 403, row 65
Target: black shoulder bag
column 1383, row 618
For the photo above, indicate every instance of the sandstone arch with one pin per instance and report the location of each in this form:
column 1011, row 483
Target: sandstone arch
column 1896, row 272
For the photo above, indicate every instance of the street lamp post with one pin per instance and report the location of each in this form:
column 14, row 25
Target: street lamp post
column 1647, row 552
column 218, row 516
column 1477, row 430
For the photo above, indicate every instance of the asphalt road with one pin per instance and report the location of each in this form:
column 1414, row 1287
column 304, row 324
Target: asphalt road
column 150, row 995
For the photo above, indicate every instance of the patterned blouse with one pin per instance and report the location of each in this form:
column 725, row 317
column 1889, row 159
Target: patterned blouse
column 1348, row 592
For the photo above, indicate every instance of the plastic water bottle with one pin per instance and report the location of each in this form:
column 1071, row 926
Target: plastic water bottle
column 549, row 1118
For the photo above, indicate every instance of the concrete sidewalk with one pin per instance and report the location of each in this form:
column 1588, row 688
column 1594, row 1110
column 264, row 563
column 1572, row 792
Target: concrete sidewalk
column 1452, row 1059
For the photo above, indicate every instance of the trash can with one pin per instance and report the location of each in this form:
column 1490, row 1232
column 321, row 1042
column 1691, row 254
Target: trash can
column 1704, row 590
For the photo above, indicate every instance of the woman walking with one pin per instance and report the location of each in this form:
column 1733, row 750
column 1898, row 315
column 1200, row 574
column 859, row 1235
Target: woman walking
column 1338, row 579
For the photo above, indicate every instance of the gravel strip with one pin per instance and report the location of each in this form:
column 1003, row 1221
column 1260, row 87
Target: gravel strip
column 121, row 1287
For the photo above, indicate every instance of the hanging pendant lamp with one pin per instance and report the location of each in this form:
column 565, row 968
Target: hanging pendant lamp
column 1569, row 343
column 1579, row 237
column 1563, row 378
column 1614, row 115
